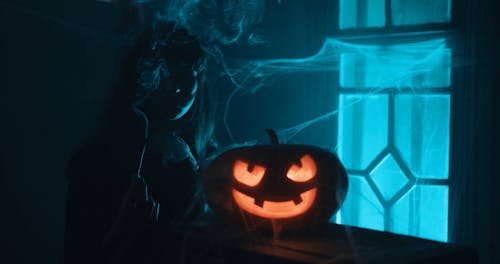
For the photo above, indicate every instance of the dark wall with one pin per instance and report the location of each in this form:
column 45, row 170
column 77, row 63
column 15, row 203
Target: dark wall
column 475, row 192
column 58, row 64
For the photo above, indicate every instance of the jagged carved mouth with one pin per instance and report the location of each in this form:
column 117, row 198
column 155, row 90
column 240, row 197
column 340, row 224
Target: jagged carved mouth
column 275, row 210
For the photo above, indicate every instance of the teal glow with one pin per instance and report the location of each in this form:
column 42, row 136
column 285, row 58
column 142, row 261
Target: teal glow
column 361, row 13
column 393, row 127
column 222, row 22
column 422, row 65
column 423, row 212
column 411, row 12
column 361, row 207
column 393, row 111
column 371, row 13
column 388, row 177
column 422, row 132
column 409, row 82
column 357, row 147
column 415, row 65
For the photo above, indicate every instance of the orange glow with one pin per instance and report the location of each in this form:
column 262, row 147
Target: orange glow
column 243, row 175
column 274, row 210
column 303, row 173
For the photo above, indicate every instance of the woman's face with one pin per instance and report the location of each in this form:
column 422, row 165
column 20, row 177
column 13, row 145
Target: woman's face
column 175, row 94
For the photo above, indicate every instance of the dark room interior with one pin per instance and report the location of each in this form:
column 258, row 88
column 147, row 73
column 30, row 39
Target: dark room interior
column 404, row 93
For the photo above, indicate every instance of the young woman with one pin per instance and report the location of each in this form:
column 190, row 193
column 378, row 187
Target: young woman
column 135, row 184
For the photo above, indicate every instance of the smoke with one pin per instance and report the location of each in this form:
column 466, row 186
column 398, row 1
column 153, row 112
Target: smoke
column 220, row 23
column 215, row 22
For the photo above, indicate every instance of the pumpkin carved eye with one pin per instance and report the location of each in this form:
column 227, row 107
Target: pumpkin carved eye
column 302, row 173
column 248, row 175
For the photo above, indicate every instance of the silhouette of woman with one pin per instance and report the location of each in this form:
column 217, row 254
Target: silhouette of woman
column 134, row 185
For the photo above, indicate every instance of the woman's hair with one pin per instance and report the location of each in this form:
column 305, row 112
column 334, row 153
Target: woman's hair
column 159, row 51
column 165, row 49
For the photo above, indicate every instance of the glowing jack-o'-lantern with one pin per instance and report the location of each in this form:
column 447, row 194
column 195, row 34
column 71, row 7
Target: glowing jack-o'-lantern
column 297, row 186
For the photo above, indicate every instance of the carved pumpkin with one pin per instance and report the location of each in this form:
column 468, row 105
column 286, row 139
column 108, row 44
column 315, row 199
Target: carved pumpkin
column 295, row 187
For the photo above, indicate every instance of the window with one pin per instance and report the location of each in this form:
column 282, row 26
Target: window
column 394, row 115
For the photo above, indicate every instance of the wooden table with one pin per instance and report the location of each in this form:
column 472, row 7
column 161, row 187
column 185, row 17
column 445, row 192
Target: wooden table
column 216, row 243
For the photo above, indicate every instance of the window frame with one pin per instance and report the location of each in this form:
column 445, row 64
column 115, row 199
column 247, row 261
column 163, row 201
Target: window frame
column 459, row 137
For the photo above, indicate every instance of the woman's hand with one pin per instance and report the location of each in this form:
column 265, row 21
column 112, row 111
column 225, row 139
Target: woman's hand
column 138, row 210
column 138, row 201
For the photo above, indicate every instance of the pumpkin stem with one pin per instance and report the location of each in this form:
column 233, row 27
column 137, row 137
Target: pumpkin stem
column 272, row 136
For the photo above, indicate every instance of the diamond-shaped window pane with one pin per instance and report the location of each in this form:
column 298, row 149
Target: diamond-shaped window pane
column 422, row 133
column 361, row 206
column 388, row 177
column 422, row 212
column 361, row 13
column 363, row 126
column 414, row 12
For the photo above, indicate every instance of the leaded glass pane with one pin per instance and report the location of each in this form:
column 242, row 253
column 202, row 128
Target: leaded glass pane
column 416, row 66
column 422, row 212
column 361, row 206
column 414, row 12
column 363, row 127
column 361, row 13
column 422, row 132
column 388, row 177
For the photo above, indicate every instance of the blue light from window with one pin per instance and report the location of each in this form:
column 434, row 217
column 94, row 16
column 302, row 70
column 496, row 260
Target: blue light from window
column 422, row 212
column 361, row 13
column 371, row 13
column 361, row 207
column 422, row 132
column 413, row 65
column 393, row 132
column 363, row 128
column 388, row 177
column 414, row 12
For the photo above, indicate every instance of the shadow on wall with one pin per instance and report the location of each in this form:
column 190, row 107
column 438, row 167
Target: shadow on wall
column 57, row 72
